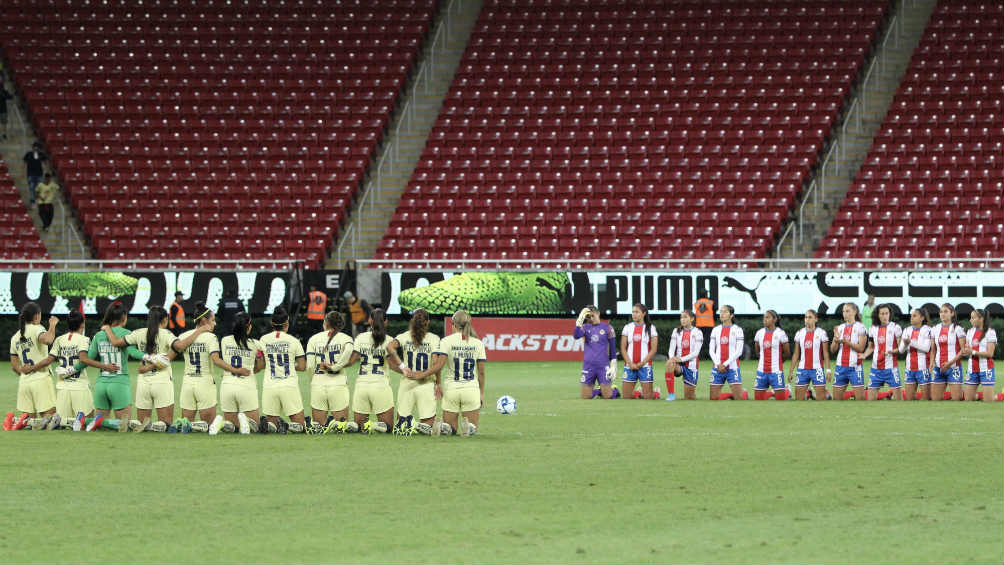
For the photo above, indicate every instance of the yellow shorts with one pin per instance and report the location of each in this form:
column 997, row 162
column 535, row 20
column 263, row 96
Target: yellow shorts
column 69, row 402
column 197, row 395
column 156, row 395
column 330, row 398
column 417, row 399
column 281, row 401
column 36, row 396
column 372, row 399
column 462, row 400
column 235, row 398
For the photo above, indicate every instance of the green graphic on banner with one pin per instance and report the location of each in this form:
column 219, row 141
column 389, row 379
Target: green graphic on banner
column 496, row 293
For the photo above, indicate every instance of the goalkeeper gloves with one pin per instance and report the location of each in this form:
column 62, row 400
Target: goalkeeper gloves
column 612, row 370
column 64, row 372
column 161, row 361
column 582, row 316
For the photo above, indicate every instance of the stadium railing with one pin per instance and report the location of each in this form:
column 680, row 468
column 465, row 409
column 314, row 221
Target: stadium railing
column 187, row 264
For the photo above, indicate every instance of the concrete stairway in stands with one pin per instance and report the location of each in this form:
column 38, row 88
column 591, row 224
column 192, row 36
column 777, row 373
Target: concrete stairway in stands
column 409, row 128
column 62, row 239
column 851, row 144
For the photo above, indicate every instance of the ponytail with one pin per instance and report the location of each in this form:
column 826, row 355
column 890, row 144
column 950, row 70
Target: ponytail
column 28, row 313
column 279, row 318
column 114, row 314
column 335, row 322
column 157, row 315
column 462, row 321
column 984, row 322
column 377, row 328
column 203, row 313
column 240, row 329
column 75, row 320
column 419, row 325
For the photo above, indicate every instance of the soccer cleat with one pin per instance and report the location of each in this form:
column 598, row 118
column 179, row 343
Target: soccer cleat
column 282, row 426
column 616, row 392
column 467, row 429
column 158, row 426
column 263, row 425
column 295, row 428
column 272, row 428
column 999, row 397
column 424, row 429
column 173, row 428
column 332, row 426
column 228, row 427
column 123, row 425
column 54, row 422
column 444, row 429
column 96, row 423
column 314, row 428
column 79, row 422
column 253, row 425
column 746, row 395
column 437, row 427
column 367, row 428
column 351, row 427
column 21, row 422
column 637, row 394
column 143, row 426
column 243, row 425
column 656, row 394
column 8, row 422
column 41, row 423
column 188, row 427
column 214, row 428
column 596, row 392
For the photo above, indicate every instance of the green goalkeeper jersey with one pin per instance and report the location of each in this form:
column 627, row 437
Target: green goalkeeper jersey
column 103, row 351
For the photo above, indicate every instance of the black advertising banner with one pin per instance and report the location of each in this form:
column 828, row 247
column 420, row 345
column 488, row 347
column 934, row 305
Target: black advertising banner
column 59, row 292
column 665, row 293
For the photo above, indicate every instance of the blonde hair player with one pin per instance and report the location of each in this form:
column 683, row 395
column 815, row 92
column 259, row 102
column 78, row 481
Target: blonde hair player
column 328, row 353
column 462, row 353
column 418, row 389
column 373, row 394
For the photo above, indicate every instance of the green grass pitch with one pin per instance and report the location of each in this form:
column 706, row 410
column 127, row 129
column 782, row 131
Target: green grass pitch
column 561, row 481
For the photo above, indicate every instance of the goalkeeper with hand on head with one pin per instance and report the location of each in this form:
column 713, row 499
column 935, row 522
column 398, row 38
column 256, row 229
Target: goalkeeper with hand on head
column 599, row 357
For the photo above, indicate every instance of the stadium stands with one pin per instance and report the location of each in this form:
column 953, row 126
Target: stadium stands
column 212, row 129
column 16, row 226
column 933, row 181
column 626, row 130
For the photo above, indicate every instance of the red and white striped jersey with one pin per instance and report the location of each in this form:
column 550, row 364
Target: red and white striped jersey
column 885, row 339
column 847, row 357
column 638, row 340
column 770, row 343
column 686, row 344
column 726, row 345
column 920, row 344
column 812, row 347
column 947, row 343
column 978, row 340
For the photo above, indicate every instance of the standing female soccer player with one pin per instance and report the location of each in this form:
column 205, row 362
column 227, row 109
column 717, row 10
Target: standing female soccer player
column 883, row 337
column 328, row 353
column 113, row 388
column 239, row 389
column 415, row 395
column 982, row 340
column 463, row 354
column 949, row 344
column 771, row 343
column 916, row 343
column 644, row 341
column 198, row 389
column 373, row 394
column 599, row 353
column 280, row 389
column 806, row 363
column 851, row 339
column 684, row 349
column 36, row 396
column 725, row 350
column 73, row 389
column 155, row 385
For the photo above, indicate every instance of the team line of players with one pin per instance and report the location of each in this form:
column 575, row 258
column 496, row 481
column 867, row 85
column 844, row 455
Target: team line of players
column 933, row 356
column 420, row 356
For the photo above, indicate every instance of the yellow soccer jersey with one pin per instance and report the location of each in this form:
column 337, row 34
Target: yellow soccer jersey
column 337, row 352
column 462, row 356
column 240, row 358
column 281, row 352
column 30, row 352
column 372, row 359
column 162, row 346
column 417, row 357
column 66, row 349
column 197, row 361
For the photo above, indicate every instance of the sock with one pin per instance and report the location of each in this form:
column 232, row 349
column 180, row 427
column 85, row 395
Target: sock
column 616, row 393
column 596, row 392
column 637, row 394
column 902, row 393
column 111, row 424
column 999, row 397
column 781, row 395
column 920, row 395
column 746, row 395
column 947, row 395
column 670, row 384
column 758, row 394
column 884, row 395
column 725, row 396
column 979, row 395
column 848, row 394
